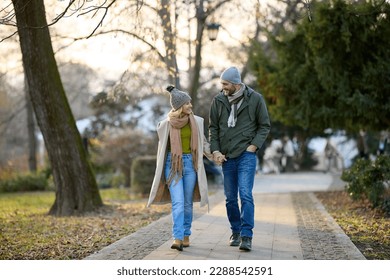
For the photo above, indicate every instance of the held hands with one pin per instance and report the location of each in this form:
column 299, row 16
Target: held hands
column 218, row 157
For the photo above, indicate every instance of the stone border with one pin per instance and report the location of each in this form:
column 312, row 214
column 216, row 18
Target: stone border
column 321, row 237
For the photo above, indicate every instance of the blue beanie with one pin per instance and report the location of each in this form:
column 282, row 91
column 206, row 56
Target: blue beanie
column 231, row 75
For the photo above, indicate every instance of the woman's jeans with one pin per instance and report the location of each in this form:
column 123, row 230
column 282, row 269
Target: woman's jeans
column 239, row 174
column 181, row 195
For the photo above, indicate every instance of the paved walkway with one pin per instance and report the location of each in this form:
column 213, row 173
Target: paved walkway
column 290, row 224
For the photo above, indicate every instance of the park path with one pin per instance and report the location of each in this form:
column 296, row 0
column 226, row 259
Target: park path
column 290, row 224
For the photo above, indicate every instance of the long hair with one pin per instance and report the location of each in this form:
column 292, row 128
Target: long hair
column 175, row 113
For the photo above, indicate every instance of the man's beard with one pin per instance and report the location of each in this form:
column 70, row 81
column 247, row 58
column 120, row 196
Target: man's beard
column 228, row 92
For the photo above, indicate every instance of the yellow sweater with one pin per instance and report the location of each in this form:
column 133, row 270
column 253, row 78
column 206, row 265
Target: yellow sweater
column 185, row 134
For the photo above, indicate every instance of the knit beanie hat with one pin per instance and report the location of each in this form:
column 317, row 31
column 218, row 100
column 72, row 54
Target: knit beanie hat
column 231, row 75
column 178, row 98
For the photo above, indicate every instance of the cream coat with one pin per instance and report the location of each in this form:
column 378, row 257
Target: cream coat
column 159, row 192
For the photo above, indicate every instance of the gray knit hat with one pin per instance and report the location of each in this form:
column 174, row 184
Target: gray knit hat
column 231, row 75
column 178, row 98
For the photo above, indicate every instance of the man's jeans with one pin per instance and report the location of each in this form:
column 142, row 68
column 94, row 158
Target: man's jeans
column 181, row 196
column 239, row 176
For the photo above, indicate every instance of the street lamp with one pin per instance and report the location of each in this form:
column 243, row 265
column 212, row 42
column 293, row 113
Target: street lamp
column 212, row 30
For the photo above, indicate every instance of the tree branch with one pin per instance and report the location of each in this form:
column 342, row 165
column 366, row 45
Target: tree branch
column 7, row 19
column 96, row 9
column 152, row 47
column 8, row 37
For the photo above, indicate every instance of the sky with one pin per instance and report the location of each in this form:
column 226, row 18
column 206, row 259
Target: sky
column 110, row 55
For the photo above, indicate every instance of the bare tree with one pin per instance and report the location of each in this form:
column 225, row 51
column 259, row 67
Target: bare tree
column 154, row 24
column 76, row 188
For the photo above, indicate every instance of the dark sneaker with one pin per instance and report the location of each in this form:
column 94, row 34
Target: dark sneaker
column 234, row 239
column 246, row 243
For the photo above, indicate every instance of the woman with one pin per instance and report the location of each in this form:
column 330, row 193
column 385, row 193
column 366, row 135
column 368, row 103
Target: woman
column 180, row 177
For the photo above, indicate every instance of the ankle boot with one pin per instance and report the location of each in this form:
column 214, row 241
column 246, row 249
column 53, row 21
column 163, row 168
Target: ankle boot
column 177, row 244
column 186, row 241
column 246, row 243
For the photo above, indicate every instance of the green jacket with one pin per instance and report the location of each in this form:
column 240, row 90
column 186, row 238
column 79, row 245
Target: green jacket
column 252, row 127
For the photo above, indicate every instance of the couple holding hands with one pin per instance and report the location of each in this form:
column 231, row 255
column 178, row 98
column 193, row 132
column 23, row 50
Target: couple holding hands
column 239, row 125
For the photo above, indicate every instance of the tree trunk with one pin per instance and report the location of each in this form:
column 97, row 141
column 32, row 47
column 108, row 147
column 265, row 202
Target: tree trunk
column 32, row 141
column 201, row 21
column 170, row 43
column 76, row 188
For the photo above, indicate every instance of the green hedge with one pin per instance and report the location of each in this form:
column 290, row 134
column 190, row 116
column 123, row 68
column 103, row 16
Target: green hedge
column 370, row 180
column 24, row 183
column 142, row 173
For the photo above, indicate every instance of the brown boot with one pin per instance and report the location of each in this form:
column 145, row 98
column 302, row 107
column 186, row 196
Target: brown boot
column 186, row 241
column 177, row 244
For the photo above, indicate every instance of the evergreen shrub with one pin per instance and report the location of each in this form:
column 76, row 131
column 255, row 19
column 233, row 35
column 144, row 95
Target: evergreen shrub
column 368, row 179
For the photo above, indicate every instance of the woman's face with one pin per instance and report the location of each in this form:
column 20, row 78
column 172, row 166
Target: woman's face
column 187, row 108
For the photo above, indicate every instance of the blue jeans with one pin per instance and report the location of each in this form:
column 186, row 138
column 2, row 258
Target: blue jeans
column 239, row 174
column 181, row 196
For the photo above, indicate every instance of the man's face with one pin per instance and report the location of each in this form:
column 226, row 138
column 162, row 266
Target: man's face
column 228, row 88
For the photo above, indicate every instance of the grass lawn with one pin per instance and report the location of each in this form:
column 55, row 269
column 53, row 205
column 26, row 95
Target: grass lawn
column 368, row 229
column 28, row 233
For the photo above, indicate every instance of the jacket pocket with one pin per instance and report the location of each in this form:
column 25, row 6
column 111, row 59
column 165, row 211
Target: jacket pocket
column 249, row 134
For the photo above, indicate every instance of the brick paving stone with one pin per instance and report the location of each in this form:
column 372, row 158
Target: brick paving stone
column 289, row 225
column 321, row 237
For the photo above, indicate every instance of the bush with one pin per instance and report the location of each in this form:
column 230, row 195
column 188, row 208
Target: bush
column 369, row 179
column 104, row 180
column 25, row 182
column 142, row 173
column 110, row 180
column 118, row 180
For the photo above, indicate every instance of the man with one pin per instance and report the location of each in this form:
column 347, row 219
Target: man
column 239, row 125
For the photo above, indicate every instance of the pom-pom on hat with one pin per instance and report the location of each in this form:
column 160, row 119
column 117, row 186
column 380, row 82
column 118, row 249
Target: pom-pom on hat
column 231, row 75
column 178, row 97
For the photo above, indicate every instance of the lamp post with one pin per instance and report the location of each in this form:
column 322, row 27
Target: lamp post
column 212, row 30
